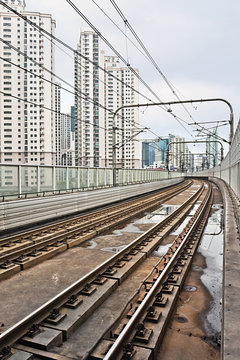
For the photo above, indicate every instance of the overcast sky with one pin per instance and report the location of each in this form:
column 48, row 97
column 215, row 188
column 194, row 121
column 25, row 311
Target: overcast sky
column 194, row 43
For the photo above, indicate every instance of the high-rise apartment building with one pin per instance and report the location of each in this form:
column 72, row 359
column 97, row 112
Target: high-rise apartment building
column 179, row 154
column 27, row 128
column 86, row 100
column 94, row 123
column 58, row 123
column 119, row 89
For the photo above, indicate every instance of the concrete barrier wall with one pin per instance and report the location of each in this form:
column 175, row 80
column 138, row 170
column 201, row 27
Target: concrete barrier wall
column 21, row 213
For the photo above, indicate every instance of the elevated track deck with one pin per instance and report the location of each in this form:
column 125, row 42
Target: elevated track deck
column 119, row 294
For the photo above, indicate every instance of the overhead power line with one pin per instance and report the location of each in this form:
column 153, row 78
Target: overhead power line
column 147, row 53
column 171, row 86
column 113, row 22
column 136, row 124
column 123, row 60
column 112, row 48
column 49, row 109
column 45, row 32
column 77, row 91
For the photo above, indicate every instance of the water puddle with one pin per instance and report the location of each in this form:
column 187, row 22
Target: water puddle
column 177, row 231
column 211, row 247
column 161, row 250
column 149, row 219
column 168, row 209
column 194, row 209
column 130, row 228
column 197, row 268
column 189, row 288
column 157, row 215
column 181, row 319
column 92, row 244
column 114, row 249
column 180, row 228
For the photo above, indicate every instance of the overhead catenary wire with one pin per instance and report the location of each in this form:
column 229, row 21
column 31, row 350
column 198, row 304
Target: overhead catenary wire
column 53, row 83
column 147, row 52
column 49, row 109
column 126, row 23
column 112, row 48
column 45, row 32
column 143, row 53
column 128, row 38
column 53, row 37
column 69, row 91
column 123, row 60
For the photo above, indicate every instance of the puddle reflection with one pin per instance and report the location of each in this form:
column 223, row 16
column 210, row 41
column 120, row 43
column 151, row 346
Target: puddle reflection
column 114, row 249
column 211, row 247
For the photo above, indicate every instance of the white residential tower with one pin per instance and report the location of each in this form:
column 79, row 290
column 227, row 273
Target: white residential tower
column 27, row 127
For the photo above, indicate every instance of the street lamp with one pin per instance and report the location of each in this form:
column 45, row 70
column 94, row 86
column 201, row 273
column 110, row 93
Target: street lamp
column 160, row 104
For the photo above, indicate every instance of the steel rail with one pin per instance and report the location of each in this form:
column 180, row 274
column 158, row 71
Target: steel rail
column 62, row 238
column 130, row 326
column 11, row 335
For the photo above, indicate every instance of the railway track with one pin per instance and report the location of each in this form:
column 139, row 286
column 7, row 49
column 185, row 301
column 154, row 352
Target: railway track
column 27, row 249
column 139, row 330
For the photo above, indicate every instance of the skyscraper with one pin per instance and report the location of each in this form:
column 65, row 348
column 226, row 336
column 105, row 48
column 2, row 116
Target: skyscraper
column 27, row 128
column 212, row 149
column 67, row 141
column 119, row 85
column 86, row 110
column 148, row 152
column 179, row 154
column 58, row 122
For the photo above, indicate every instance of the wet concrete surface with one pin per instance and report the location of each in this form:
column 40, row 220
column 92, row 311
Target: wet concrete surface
column 186, row 338
column 31, row 288
column 211, row 247
column 196, row 322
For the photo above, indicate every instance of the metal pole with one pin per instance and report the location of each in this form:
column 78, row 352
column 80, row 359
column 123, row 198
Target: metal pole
column 53, row 178
column 78, row 177
column 159, row 104
column 67, row 178
column 38, row 179
column 114, row 155
column 19, row 179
